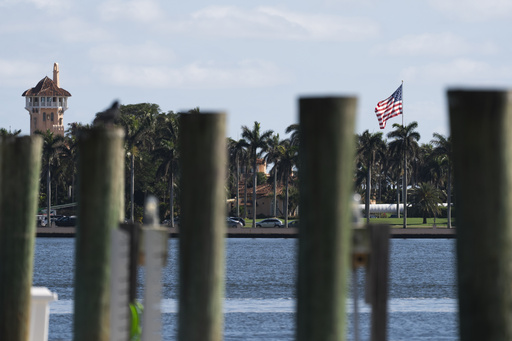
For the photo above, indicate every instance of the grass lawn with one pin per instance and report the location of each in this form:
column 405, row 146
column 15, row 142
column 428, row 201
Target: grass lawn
column 412, row 222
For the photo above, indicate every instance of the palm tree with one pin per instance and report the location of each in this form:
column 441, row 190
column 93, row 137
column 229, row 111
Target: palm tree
column 8, row 133
column 166, row 153
column 370, row 147
column 426, row 198
column 295, row 134
column 273, row 157
column 237, row 151
column 443, row 149
column 286, row 161
column 405, row 145
column 258, row 143
column 138, row 122
column 52, row 147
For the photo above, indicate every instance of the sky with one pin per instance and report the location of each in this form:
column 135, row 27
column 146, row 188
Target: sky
column 253, row 60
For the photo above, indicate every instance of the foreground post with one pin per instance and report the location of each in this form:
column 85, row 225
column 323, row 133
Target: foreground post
column 326, row 166
column 203, row 228
column 20, row 167
column 482, row 155
column 101, row 175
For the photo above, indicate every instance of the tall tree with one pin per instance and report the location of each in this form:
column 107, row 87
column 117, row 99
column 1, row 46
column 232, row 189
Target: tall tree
column 426, row 198
column 405, row 143
column 258, row 143
column 286, row 162
column 52, row 147
column 272, row 156
column 293, row 129
column 138, row 122
column 237, row 154
column 443, row 149
column 370, row 146
column 166, row 153
column 6, row 133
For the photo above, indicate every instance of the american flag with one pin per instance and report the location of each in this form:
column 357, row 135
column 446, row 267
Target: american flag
column 390, row 107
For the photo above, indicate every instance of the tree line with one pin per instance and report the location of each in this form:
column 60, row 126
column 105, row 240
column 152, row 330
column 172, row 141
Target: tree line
column 153, row 158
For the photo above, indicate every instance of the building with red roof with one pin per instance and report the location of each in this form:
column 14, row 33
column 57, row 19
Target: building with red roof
column 46, row 104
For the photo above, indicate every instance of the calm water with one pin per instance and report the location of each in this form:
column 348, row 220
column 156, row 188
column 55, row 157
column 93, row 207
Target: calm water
column 260, row 289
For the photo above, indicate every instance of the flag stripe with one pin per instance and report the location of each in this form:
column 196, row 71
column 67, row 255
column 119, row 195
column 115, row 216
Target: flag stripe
column 390, row 107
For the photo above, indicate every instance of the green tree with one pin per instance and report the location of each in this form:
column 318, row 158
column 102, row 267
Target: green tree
column 443, row 149
column 138, row 122
column 258, row 144
column 286, row 162
column 8, row 133
column 370, row 147
column 237, row 152
column 405, row 144
column 426, row 198
column 293, row 129
column 273, row 155
column 166, row 153
column 52, row 146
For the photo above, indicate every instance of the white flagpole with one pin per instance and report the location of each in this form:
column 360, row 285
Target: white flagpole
column 404, row 195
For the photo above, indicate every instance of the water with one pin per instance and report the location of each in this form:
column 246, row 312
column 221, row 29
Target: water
column 260, row 289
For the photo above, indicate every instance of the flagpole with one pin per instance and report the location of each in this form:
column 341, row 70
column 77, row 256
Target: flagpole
column 404, row 182
column 402, row 102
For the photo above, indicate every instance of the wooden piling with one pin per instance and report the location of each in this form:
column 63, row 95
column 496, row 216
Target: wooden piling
column 203, row 226
column 20, row 166
column 101, row 177
column 482, row 154
column 327, row 167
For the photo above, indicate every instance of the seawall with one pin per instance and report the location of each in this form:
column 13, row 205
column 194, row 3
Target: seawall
column 69, row 232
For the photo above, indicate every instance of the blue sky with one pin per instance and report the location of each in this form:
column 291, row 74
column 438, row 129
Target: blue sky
column 253, row 60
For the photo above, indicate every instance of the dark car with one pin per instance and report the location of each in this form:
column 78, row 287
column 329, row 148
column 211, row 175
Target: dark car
column 66, row 221
column 269, row 222
column 294, row 223
column 239, row 219
column 233, row 223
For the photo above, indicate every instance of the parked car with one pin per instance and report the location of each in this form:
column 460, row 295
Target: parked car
column 239, row 219
column 233, row 223
column 66, row 221
column 269, row 222
column 294, row 223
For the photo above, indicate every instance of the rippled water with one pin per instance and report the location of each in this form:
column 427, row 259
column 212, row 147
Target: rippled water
column 260, row 289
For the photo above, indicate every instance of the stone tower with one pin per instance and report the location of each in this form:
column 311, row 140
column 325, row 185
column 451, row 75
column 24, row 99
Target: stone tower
column 46, row 103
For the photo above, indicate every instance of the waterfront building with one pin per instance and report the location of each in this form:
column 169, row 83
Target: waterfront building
column 46, row 104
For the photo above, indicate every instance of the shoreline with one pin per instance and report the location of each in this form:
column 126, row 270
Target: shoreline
column 425, row 233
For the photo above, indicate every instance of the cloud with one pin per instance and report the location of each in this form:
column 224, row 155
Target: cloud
column 462, row 70
column 442, row 44
column 19, row 73
column 273, row 23
column 247, row 73
column 49, row 5
column 74, row 29
column 134, row 10
column 474, row 10
column 148, row 52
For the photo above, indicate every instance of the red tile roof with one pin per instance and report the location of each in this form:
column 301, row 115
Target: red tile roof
column 46, row 87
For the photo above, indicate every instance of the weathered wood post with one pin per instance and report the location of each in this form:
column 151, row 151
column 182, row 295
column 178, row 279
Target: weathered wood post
column 101, row 178
column 482, row 154
column 326, row 188
column 154, row 247
column 20, row 166
column 203, row 226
